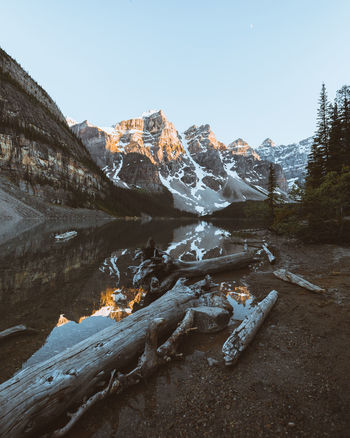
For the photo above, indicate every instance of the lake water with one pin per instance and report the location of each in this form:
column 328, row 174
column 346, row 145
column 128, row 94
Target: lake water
column 70, row 289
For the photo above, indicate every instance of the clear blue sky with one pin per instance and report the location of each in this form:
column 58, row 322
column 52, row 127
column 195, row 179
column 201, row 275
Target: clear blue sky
column 249, row 68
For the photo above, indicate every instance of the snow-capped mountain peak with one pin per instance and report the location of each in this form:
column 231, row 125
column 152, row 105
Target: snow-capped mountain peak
column 241, row 147
column 292, row 158
column 268, row 143
column 149, row 113
column 70, row 121
column 201, row 172
column 239, row 142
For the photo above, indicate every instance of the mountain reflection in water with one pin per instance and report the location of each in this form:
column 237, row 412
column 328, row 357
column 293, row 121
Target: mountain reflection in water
column 73, row 290
column 239, row 297
column 117, row 303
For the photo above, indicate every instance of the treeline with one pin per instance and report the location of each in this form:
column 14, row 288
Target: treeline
column 320, row 211
column 133, row 202
column 331, row 146
column 322, row 208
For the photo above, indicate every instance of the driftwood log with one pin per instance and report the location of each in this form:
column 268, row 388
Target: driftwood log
column 269, row 254
column 36, row 396
column 245, row 332
column 74, row 418
column 285, row 275
column 162, row 273
column 252, row 243
column 151, row 359
column 16, row 330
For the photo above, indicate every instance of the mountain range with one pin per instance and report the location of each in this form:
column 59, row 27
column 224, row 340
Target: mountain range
column 202, row 173
column 292, row 157
column 139, row 165
column 42, row 159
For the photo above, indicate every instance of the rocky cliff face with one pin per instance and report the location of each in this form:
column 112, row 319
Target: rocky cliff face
column 202, row 173
column 241, row 147
column 292, row 158
column 37, row 149
column 132, row 152
column 9, row 67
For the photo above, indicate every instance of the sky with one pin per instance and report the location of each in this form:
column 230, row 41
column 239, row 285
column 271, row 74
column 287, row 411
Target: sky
column 250, row 68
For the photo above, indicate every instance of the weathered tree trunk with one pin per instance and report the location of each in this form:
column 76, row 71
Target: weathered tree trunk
column 211, row 266
column 170, row 270
column 74, row 418
column 150, row 360
column 38, row 395
column 269, row 254
column 244, row 333
column 285, row 275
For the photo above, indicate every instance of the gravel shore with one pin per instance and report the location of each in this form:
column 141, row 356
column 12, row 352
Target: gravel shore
column 293, row 380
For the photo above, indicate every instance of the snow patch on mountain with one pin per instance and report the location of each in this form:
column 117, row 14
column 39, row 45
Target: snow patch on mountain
column 112, row 172
column 71, row 122
column 292, row 158
column 110, row 130
column 148, row 113
column 202, row 173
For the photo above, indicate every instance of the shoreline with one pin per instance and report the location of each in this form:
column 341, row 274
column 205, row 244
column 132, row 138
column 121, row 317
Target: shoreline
column 292, row 380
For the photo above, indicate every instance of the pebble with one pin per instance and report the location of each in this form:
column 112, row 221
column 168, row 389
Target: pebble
column 212, row 361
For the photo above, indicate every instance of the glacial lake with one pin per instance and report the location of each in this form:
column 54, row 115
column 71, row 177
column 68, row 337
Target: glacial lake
column 68, row 290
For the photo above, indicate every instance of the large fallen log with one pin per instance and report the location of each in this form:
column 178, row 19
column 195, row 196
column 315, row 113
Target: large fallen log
column 38, row 395
column 162, row 273
column 150, row 360
column 74, row 418
column 285, row 275
column 245, row 332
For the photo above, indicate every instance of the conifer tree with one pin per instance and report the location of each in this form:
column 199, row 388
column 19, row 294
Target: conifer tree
column 314, row 167
column 322, row 132
column 271, row 197
column 343, row 102
column 334, row 162
column 318, row 158
column 325, row 202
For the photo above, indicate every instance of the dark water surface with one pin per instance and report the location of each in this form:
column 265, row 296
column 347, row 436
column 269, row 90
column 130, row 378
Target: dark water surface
column 69, row 290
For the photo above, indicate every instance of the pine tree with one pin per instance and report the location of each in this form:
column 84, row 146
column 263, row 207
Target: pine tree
column 318, row 158
column 322, row 132
column 343, row 102
column 334, row 162
column 271, row 197
column 314, row 167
